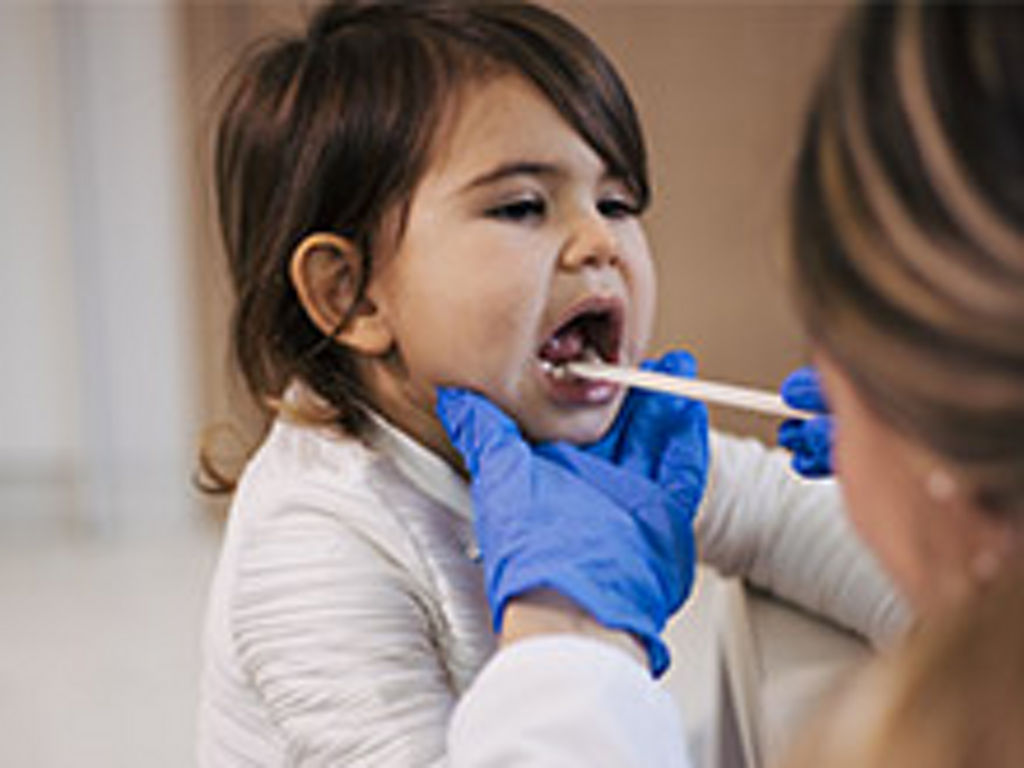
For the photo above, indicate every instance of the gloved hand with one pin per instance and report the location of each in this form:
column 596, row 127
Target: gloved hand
column 809, row 440
column 653, row 428
column 609, row 527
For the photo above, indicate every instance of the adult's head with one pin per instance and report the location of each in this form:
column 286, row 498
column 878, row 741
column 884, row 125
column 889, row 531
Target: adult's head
column 908, row 255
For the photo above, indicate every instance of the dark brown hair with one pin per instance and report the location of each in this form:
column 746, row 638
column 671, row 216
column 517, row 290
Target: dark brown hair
column 331, row 131
column 908, row 229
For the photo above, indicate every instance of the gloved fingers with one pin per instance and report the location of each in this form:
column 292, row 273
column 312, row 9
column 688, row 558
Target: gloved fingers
column 648, row 421
column 574, row 537
column 661, row 437
column 622, row 486
column 609, row 447
column 812, row 436
column 652, row 503
column 677, row 362
column 663, row 515
column 480, row 431
column 791, row 434
column 684, row 465
column 810, row 442
column 676, row 430
column 802, row 389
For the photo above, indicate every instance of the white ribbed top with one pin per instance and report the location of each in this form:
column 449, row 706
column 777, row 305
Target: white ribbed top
column 345, row 616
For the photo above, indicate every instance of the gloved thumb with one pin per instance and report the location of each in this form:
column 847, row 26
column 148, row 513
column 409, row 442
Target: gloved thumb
column 810, row 442
column 802, row 389
column 478, row 429
column 678, row 362
column 638, row 437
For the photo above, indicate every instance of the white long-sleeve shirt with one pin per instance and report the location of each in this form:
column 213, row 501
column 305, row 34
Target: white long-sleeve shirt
column 347, row 614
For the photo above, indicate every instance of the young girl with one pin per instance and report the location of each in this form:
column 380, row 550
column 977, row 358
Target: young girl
column 415, row 195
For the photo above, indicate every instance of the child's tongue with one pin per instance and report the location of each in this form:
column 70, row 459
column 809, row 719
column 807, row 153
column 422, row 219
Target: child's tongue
column 563, row 347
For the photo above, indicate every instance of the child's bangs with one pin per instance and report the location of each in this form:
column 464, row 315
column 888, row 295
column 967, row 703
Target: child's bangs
column 578, row 80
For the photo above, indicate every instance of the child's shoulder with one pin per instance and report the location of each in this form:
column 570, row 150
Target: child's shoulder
column 307, row 467
column 311, row 493
column 382, row 491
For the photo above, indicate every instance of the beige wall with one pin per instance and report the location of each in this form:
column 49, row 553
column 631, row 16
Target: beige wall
column 720, row 87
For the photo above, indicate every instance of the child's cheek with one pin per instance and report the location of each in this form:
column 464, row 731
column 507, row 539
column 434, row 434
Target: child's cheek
column 466, row 365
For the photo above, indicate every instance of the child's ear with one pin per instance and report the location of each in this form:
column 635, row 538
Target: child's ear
column 327, row 273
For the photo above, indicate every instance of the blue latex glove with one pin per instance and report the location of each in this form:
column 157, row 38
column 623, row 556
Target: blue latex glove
column 609, row 527
column 809, row 440
column 652, row 428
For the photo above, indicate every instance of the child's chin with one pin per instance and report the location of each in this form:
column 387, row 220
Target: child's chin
column 580, row 429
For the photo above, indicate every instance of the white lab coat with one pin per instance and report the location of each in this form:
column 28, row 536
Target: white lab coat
column 565, row 701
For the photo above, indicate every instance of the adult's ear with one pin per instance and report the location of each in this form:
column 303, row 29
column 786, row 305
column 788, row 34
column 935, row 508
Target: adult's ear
column 327, row 273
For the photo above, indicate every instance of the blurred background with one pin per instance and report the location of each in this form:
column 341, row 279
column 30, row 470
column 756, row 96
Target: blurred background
column 114, row 302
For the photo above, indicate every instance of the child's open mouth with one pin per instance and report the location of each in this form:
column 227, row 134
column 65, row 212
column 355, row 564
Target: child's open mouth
column 593, row 332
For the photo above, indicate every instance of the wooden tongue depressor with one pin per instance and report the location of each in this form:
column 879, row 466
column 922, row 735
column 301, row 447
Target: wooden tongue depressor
column 728, row 395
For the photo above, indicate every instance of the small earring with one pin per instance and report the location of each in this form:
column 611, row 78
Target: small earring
column 940, row 485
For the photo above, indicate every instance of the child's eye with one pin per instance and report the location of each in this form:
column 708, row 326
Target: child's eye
column 519, row 210
column 618, row 208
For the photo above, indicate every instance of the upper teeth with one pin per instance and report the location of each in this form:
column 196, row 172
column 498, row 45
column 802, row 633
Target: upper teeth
column 560, row 370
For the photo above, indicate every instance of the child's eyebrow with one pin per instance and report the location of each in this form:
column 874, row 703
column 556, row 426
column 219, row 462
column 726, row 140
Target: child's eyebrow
column 515, row 168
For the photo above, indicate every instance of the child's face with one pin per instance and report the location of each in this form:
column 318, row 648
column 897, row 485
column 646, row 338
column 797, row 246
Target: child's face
column 518, row 248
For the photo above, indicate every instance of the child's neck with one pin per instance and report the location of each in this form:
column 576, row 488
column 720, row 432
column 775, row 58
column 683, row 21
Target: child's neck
column 412, row 411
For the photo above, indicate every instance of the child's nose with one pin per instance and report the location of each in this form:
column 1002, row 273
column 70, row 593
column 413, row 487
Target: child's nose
column 593, row 244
